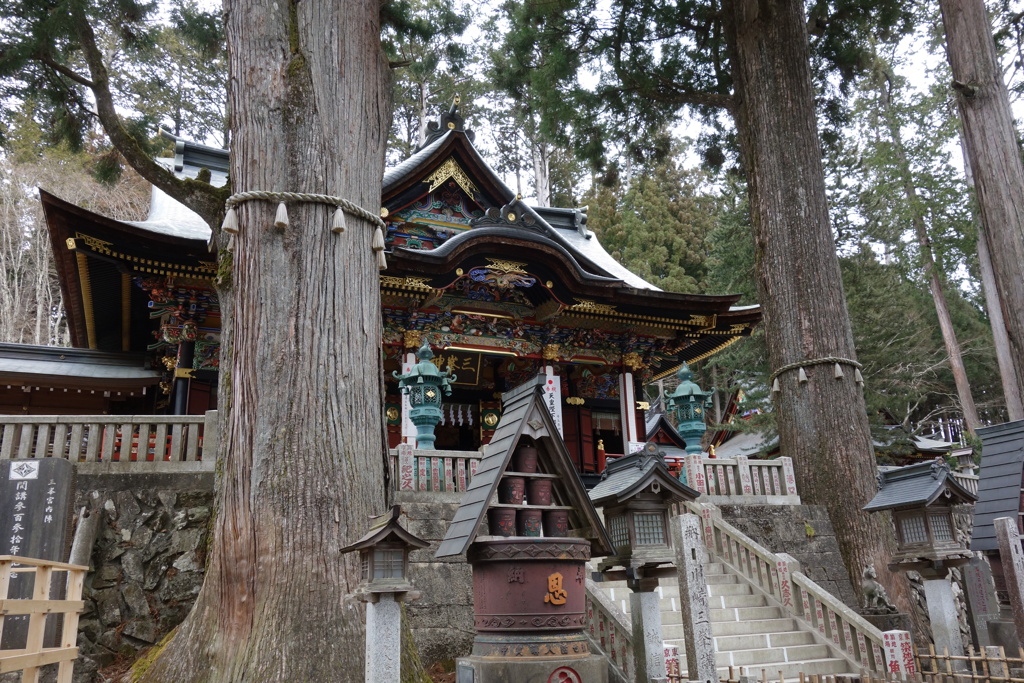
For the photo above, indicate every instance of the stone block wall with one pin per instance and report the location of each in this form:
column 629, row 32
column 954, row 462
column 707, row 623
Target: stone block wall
column 147, row 562
column 803, row 531
column 442, row 619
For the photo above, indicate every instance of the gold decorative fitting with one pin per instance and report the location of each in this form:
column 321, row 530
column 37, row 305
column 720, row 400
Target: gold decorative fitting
column 450, row 169
column 165, row 387
column 412, row 339
column 549, row 284
column 643, row 405
column 507, row 266
column 71, row 243
column 392, row 413
column 551, row 351
column 511, row 217
column 384, row 212
column 632, row 360
column 170, row 362
column 183, row 373
column 575, row 401
column 94, row 242
column 490, row 419
column 591, row 307
column 418, row 284
column 451, row 125
column 459, row 271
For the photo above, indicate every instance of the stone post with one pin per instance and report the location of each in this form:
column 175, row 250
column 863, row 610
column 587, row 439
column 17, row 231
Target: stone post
column 743, row 465
column 981, row 598
column 406, row 467
column 383, row 640
column 944, row 619
column 695, row 473
column 1012, row 558
column 785, row 567
column 648, row 645
column 693, row 599
column 627, row 408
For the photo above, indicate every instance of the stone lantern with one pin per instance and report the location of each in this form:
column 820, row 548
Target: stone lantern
column 689, row 403
column 921, row 498
column 384, row 584
column 636, row 494
column 424, row 385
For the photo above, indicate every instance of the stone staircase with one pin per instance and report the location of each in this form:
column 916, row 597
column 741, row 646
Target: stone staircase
column 753, row 634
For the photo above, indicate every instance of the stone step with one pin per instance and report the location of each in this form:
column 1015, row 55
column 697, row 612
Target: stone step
column 718, row 579
column 751, row 641
column 727, row 601
column 672, row 626
column 736, row 628
column 729, row 589
column 746, row 613
column 779, row 655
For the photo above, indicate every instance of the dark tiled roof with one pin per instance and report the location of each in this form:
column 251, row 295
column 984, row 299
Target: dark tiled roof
column 633, row 472
column 999, row 481
column 915, row 486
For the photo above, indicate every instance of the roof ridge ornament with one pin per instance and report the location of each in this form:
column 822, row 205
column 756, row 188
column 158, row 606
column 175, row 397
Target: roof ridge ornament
column 449, row 120
column 516, row 212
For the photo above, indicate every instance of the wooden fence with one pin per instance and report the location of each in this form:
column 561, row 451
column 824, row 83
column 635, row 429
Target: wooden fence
column 38, row 608
column 108, row 438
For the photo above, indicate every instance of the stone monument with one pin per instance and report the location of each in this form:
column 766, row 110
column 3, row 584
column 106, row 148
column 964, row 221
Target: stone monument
column 36, row 497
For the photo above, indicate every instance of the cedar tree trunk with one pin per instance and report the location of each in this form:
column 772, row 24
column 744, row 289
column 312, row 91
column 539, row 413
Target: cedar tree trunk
column 822, row 423
column 303, row 443
column 991, row 147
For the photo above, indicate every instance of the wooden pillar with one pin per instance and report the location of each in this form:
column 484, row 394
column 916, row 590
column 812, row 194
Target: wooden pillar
column 627, row 410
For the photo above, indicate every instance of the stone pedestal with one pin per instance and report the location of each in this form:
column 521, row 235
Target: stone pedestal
column 888, row 622
column 648, row 645
column 693, row 598
column 383, row 640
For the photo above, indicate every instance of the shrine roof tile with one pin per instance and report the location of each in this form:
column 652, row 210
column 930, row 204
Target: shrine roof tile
column 917, row 485
column 999, row 480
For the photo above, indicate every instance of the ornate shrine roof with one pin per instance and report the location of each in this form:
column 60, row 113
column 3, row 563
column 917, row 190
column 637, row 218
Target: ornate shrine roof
column 450, row 218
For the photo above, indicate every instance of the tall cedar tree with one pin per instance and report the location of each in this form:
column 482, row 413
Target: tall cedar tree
column 302, row 453
column 993, row 153
column 751, row 57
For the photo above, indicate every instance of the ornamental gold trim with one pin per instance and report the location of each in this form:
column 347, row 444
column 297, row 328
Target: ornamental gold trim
column 450, row 169
column 94, row 243
column 507, row 266
column 409, row 283
column 588, row 306
column 666, row 373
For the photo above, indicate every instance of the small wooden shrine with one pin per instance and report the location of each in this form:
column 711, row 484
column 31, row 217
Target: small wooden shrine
column 501, row 291
column 529, row 573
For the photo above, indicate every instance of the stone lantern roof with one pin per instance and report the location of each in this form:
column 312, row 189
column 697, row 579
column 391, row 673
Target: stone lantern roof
column 916, row 486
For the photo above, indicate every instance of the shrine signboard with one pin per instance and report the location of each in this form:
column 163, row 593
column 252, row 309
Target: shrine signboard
column 36, row 497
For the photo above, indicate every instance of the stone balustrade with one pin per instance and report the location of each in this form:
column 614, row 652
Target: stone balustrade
column 740, row 480
column 432, row 471
column 610, row 633
column 779, row 575
column 109, row 438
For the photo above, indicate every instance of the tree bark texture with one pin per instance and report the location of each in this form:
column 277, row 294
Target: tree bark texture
column 994, row 155
column 303, row 455
column 1007, row 376
column 822, row 423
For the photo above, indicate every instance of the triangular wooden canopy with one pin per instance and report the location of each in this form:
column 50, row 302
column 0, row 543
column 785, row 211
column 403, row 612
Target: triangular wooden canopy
column 525, row 419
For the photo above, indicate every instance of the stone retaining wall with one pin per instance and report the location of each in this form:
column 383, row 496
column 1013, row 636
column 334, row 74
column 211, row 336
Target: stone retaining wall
column 147, row 562
column 803, row 531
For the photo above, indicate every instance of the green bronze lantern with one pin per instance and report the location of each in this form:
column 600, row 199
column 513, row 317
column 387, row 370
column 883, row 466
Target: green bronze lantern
column 424, row 385
column 689, row 403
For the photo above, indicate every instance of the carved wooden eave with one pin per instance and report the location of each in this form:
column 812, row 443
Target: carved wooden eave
column 96, row 257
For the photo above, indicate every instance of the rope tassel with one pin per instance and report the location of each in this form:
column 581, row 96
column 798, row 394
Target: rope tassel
column 839, row 372
column 378, row 248
column 281, row 220
column 776, row 387
column 338, row 222
column 230, row 224
column 802, row 376
column 859, row 378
